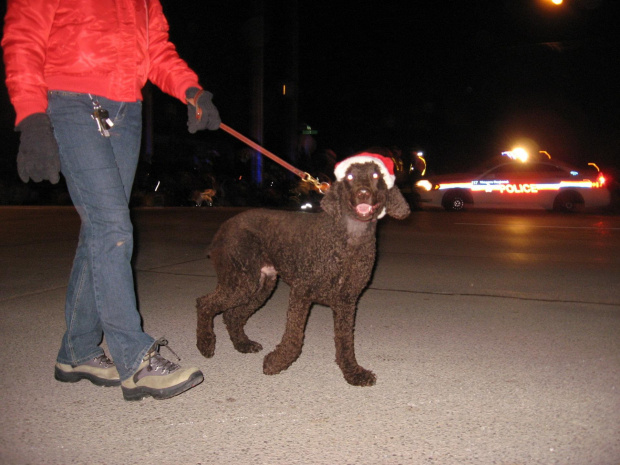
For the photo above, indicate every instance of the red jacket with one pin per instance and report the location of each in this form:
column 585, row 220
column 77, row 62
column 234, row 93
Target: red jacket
column 103, row 47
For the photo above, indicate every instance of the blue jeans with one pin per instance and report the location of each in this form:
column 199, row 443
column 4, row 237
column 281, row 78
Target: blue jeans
column 99, row 172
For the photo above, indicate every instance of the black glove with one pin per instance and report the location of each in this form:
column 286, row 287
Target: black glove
column 201, row 113
column 38, row 157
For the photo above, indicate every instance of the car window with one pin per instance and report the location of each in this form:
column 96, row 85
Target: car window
column 551, row 169
column 503, row 171
column 519, row 169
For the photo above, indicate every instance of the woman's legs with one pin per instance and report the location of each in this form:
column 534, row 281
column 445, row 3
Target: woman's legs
column 99, row 172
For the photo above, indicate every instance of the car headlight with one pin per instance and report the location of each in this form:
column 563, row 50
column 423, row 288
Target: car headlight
column 425, row 184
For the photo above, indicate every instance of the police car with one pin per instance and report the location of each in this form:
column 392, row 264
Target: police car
column 516, row 180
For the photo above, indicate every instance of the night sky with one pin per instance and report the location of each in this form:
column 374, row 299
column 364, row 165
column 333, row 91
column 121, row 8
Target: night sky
column 460, row 80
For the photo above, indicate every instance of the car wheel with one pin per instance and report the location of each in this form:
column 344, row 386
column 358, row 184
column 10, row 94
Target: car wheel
column 568, row 202
column 454, row 201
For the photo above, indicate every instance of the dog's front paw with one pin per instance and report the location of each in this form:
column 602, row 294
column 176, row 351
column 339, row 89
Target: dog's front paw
column 206, row 347
column 360, row 377
column 248, row 347
column 274, row 363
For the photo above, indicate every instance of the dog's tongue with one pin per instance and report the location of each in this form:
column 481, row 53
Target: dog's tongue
column 363, row 209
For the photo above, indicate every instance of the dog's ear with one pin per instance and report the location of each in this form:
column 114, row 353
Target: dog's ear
column 331, row 202
column 396, row 205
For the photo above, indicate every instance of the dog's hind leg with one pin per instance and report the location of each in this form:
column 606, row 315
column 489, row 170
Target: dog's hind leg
column 208, row 307
column 228, row 295
column 236, row 318
column 289, row 349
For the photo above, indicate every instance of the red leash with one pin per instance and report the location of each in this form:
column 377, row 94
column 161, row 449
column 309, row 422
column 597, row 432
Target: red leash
column 322, row 187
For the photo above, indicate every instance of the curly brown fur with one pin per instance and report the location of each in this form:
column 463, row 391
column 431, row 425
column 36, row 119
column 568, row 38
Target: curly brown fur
column 325, row 258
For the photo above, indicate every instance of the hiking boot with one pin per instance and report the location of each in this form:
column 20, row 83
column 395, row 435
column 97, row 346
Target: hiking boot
column 100, row 371
column 159, row 378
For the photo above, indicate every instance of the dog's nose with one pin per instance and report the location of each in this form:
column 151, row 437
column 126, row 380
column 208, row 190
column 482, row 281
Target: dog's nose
column 363, row 195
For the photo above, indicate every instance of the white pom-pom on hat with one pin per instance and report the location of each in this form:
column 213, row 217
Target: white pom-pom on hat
column 385, row 164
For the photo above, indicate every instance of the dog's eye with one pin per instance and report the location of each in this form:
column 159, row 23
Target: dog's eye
column 375, row 175
column 350, row 177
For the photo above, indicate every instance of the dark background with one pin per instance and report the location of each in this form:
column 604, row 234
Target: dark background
column 461, row 81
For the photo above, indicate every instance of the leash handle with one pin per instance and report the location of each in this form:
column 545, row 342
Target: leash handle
column 194, row 102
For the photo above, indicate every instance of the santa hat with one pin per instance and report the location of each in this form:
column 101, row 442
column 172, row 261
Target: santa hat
column 385, row 164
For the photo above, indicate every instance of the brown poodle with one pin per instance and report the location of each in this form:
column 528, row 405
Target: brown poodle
column 325, row 258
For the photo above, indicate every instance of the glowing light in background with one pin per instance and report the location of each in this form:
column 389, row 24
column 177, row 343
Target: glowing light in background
column 518, row 153
column 425, row 184
column 420, row 156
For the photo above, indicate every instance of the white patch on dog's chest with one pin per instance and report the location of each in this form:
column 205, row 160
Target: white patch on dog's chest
column 358, row 231
column 268, row 271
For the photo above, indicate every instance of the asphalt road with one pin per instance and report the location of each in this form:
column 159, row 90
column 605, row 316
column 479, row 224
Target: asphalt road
column 495, row 338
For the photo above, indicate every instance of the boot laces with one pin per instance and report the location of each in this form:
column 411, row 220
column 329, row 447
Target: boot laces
column 159, row 363
column 103, row 361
